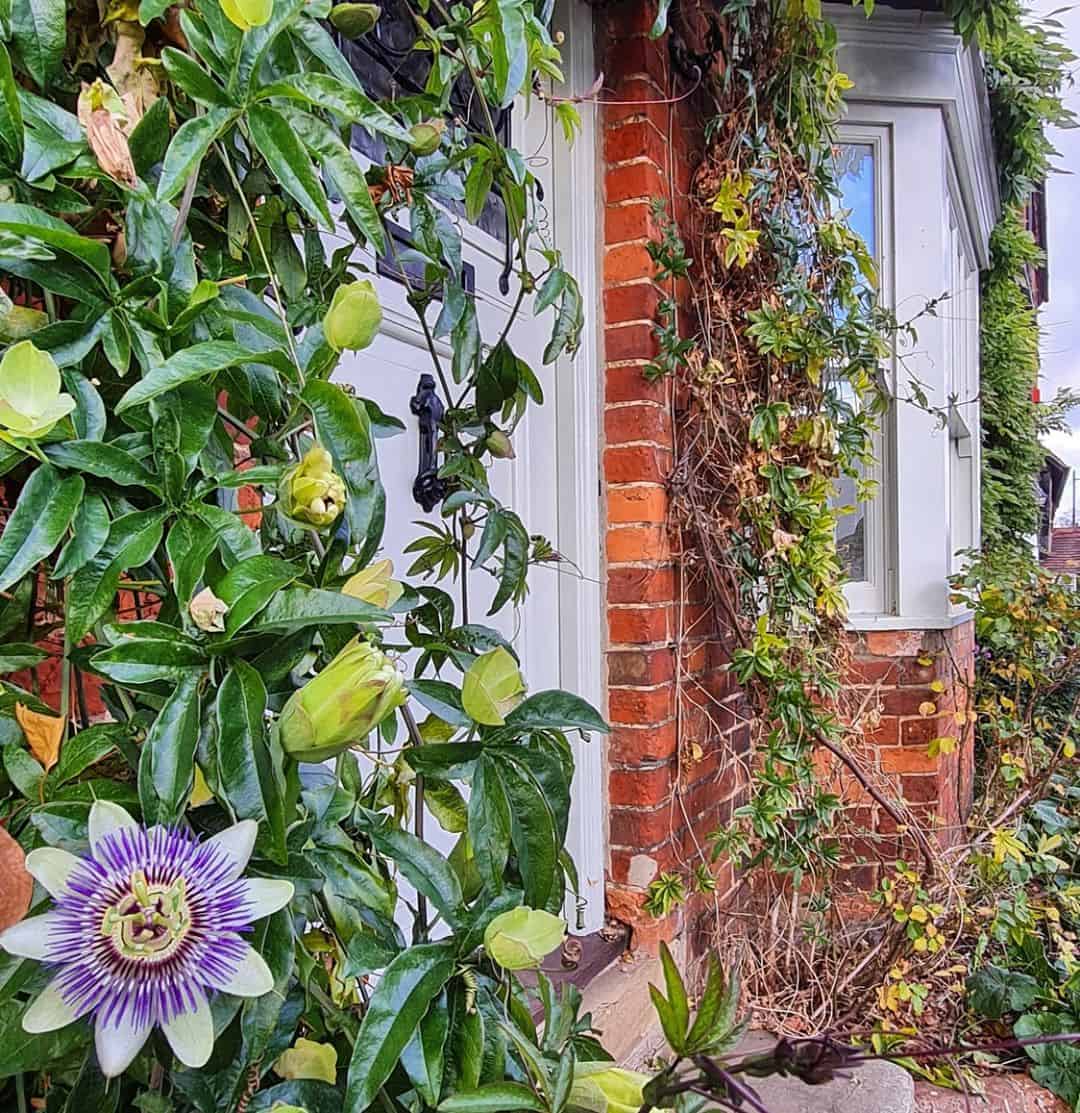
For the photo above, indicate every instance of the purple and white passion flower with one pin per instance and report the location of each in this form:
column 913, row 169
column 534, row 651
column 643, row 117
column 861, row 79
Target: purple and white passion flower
column 142, row 930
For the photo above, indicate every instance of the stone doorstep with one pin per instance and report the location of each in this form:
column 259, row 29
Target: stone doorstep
column 618, row 999
column 1010, row 1093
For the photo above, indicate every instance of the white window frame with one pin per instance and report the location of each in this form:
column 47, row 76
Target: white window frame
column 914, row 77
column 874, row 595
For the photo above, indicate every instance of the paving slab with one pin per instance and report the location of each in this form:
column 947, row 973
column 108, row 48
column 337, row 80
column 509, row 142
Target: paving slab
column 1014, row 1093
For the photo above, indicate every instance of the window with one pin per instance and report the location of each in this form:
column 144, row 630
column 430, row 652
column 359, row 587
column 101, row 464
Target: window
column 861, row 169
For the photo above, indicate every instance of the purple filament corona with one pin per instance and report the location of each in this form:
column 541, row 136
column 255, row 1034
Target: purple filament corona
column 153, row 917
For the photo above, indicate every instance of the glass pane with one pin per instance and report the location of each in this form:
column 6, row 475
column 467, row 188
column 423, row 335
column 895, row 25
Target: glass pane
column 856, row 179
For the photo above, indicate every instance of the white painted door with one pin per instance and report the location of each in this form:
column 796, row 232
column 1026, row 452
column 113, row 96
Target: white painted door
column 553, row 481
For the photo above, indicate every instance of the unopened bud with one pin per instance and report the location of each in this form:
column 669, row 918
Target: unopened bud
column 354, row 317
column 311, row 492
column 246, row 14
column 354, row 20
column 426, row 137
column 499, row 445
column 523, row 937
column 375, row 585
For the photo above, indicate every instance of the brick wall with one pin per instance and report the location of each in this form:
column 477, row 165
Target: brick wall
column 910, row 688
column 678, row 726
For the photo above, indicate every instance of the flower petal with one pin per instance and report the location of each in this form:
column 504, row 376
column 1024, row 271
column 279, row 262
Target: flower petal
column 237, row 842
column 265, row 895
column 118, row 1043
column 52, row 867
column 252, row 978
column 29, row 938
column 105, row 818
column 191, row 1034
column 49, row 1012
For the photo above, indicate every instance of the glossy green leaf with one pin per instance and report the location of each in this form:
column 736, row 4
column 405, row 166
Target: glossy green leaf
column 249, row 763
column 46, row 507
column 167, row 764
column 289, row 161
column 11, row 121
column 398, row 1004
column 22, row 1051
column 492, row 687
column 556, row 710
column 188, row 148
column 489, row 823
column 105, row 461
column 250, row 585
column 184, row 71
column 15, row 656
column 422, row 1057
column 345, row 431
column 440, row 698
column 137, row 659
column 132, row 541
column 495, row 1097
column 85, row 749
column 39, row 32
column 347, row 101
column 423, row 865
column 189, row 543
column 23, row 220
column 298, row 607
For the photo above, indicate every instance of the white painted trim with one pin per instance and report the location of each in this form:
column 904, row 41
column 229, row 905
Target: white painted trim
column 915, row 622
column 915, row 58
column 575, row 205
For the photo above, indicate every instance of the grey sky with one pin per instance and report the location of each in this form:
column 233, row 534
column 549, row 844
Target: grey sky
column 1061, row 315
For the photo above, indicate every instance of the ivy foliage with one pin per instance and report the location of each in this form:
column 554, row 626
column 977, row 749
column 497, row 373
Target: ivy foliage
column 197, row 507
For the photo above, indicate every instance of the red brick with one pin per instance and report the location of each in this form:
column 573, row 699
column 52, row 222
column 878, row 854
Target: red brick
column 646, row 502
column 640, row 666
column 646, row 788
column 639, row 827
column 894, row 643
column 638, row 625
column 637, row 99
column 635, row 139
column 631, row 342
column 907, row 759
column 641, row 705
column 633, row 181
column 627, row 262
column 919, row 789
column 871, row 671
column 636, row 464
column 641, row 585
column 634, row 424
column 918, row 732
column 632, row 745
column 637, row 543
column 905, row 701
column 637, row 302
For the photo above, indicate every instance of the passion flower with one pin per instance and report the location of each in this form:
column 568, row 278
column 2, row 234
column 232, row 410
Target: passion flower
column 311, row 492
column 142, row 930
column 30, row 399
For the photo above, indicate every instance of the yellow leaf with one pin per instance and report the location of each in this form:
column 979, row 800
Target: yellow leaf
column 927, row 708
column 943, row 745
column 937, row 686
column 43, row 733
column 200, row 791
column 308, row 1059
column 1068, row 748
column 925, row 661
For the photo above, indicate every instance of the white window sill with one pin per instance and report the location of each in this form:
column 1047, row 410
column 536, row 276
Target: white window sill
column 903, row 622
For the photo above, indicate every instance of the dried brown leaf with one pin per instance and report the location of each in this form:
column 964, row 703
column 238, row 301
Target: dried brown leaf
column 43, row 733
column 16, row 885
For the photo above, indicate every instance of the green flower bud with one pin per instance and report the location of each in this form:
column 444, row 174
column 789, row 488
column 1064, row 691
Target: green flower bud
column 308, row 1059
column 246, row 14
column 375, row 585
column 426, row 137
column 311, row 492
column 354, row 317
column 602, row 1088
column 521, row 938
column 354, row 20
column 30, row 399
column 342, row 705
column 499, row 445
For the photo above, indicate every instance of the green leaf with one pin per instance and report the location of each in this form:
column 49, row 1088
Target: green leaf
column 149, row 139
column 534, row 829
column 15, row 656
column 492, row 687
column 509, row 51
column 440, row 698
column 305, row 1094
column 345, row 176
column 422, row 864
column 88, row 417
column 347, row 101
column 189, row 147
column 184, row 71
column 994, row 991
column 298, row 607
column 167, row 765
column 345, row 431
column 133, row 539
column 23, row 220
column 678, row 1002
column 189, row 543
column 288, row 161
column 188, row 364
column 84, row 749
column 22, row 1051
column 274, row 941
column 489, row 823
column 423, row 1054
column 105, row 461
column 398, row 1004
column 249, row 764
column 155, row 653
column 11, row 121
column 556, row 710
column 23, row 771
column 46, row 506
column 248, row 586
column 1060, row 1072
column 39, row 32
